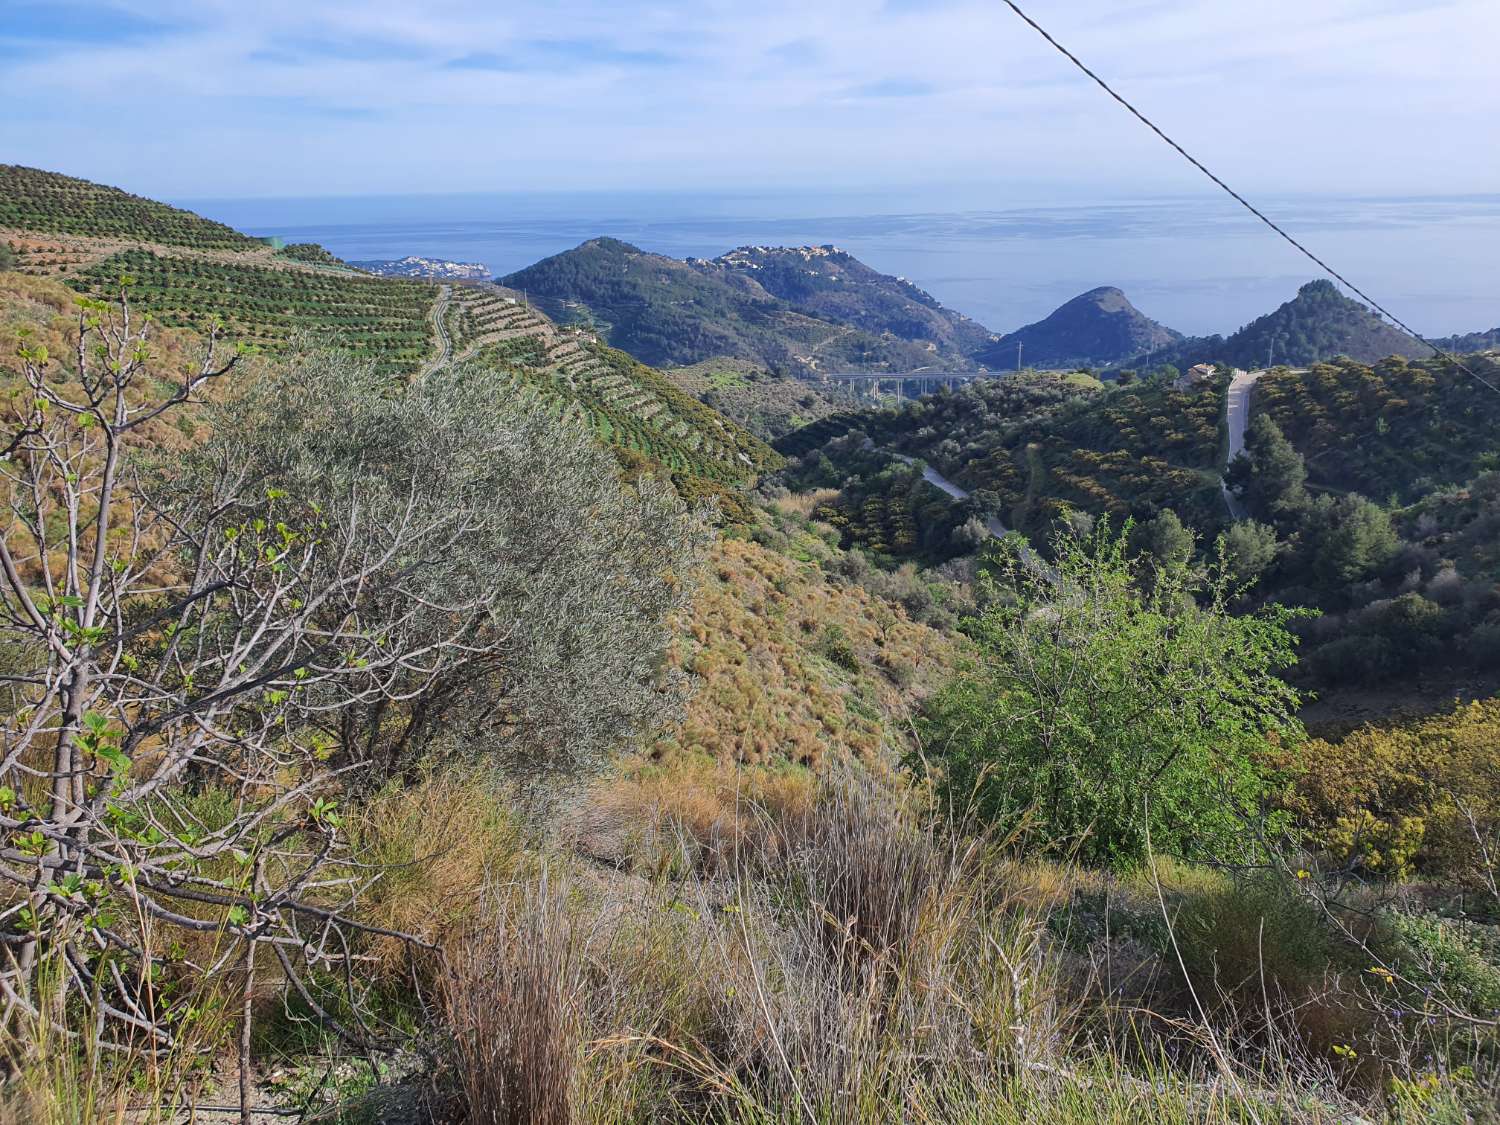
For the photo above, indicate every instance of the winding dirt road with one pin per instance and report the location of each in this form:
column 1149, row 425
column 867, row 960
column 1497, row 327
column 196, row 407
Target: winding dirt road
column 439, row 318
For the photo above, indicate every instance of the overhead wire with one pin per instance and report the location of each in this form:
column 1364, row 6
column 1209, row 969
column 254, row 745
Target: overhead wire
column 1245, row 203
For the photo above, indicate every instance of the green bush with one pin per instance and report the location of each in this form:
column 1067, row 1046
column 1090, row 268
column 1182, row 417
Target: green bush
column 1108, row 719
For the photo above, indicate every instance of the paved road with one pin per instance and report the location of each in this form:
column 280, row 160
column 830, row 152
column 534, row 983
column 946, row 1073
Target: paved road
column 1034, row 562
column 933, row 477
column 1239, row 418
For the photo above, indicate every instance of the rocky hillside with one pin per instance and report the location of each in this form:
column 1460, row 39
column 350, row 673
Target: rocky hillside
column 794, row 314
column 1096, row 328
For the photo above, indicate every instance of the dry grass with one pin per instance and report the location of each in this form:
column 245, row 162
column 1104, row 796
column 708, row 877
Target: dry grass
column 771, row 948
column 764, row 688
column 429, row 852
column 841, row 958
column 804, row 504
column 511, row 999
column 691, row 814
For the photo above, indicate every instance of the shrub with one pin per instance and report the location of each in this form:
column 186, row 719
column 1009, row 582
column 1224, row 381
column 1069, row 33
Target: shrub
column 1400, row 800
column 1457, row 960
column 563, row 578
column 836, row 647
column 1108, row 714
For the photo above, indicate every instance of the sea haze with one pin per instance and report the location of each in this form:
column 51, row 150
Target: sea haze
column 1199, row 265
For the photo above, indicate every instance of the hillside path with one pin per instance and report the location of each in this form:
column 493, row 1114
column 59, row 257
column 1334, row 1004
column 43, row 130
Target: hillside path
column 935, row 478
column 1238, row 414
column 992, row 524
column 439, row 317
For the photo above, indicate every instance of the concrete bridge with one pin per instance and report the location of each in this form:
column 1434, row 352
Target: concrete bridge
column 903, row 384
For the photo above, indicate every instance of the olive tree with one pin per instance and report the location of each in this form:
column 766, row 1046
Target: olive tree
column 544, row 584
column 205, row 653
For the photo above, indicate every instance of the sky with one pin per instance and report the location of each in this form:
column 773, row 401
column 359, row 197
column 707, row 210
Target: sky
column 184, row 99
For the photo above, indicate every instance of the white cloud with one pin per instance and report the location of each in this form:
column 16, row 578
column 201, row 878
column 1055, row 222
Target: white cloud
column 312, row 96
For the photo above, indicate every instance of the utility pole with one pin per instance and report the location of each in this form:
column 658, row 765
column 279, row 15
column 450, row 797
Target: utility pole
column 1020, row 344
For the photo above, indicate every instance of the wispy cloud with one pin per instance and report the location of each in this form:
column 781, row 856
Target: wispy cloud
column 482, row 60
column 41, row 22
column 337, row 95
column 588, row 52
column 311, row 50
column 893, row 88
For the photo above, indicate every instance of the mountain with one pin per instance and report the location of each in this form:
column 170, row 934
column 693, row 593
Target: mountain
column 832, row 284
column 794, row 311
column 1096, row 328
column 188, row 271
column 1471, row 342
column 1319, row 323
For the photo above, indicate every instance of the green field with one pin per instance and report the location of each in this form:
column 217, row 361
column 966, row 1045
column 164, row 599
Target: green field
column 44, row 201
column 382, row 318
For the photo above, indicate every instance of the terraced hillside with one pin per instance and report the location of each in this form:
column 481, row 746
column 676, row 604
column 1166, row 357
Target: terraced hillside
column 384, row 319
column 188, row 272
column 631, row 406
column 31, row 199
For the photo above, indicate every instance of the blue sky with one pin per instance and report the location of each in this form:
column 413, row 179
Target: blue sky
column 194, row 98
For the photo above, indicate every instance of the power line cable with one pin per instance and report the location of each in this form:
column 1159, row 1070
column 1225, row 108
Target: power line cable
column 1245, row 203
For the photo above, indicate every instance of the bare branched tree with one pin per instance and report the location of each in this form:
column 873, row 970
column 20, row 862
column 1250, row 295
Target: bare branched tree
column 203, row 654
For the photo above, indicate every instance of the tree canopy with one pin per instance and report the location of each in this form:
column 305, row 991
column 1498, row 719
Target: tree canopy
column 1103, row 711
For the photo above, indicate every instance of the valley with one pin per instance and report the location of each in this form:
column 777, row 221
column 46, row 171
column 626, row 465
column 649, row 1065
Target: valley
column 567, row 698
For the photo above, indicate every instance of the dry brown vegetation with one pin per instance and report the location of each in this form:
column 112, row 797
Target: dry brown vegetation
column 786, row 664
column 839, row 956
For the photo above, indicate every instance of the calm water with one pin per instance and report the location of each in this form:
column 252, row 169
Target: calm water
column 1197, row 265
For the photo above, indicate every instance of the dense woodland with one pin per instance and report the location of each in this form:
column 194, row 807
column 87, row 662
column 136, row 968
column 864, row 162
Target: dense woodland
column 493, row 731
column 1370, row 507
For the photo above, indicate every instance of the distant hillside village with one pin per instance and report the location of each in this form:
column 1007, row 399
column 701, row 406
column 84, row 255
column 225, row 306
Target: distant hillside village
column 438, row 268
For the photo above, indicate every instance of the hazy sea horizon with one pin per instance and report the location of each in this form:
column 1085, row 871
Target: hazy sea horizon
column 1198, row 265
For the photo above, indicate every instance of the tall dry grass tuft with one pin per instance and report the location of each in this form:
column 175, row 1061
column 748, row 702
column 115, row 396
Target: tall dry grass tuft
column 843, row 957
column 880, row 953
column 871, row 872
column 513, row 1003
column 428, row 852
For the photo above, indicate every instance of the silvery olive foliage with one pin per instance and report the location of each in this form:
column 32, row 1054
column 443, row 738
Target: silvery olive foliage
column 206, row 654
column 474, row 508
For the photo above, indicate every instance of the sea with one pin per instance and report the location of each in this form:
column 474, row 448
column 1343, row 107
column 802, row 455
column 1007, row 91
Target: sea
column 1198, row 264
